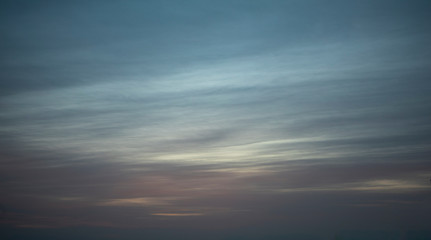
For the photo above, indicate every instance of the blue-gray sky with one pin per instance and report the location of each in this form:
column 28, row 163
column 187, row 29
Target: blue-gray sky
column 229, row 119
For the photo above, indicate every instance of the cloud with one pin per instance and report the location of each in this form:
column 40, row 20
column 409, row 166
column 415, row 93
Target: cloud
column 222, row 115
column 226, row 104
column 143, row 201
column 177, row 214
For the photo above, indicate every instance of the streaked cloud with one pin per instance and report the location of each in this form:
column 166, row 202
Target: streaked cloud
column 177, row 214
column 229, row 115
column 144, row 201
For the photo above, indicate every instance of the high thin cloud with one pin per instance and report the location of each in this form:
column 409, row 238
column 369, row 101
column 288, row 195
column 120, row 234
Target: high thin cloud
column 227, row 115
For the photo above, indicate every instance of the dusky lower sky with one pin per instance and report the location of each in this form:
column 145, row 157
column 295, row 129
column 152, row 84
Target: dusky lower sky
column 215, row 119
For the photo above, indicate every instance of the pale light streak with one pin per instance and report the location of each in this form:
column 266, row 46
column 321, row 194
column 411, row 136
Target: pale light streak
column 177, row 214
column 143, row 201
column 382, row 185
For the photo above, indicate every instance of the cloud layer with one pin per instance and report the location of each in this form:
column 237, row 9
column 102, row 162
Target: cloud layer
column 228, row 115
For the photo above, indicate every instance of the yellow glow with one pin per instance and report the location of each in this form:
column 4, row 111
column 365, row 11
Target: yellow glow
column 252, row 151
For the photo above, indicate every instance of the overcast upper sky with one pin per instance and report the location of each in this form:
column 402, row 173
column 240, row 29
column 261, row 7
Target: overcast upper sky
column 207, row 119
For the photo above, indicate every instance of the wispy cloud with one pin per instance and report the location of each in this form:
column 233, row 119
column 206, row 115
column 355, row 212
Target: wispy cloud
column 143, row 201
column 177, row 214
column 277, row 114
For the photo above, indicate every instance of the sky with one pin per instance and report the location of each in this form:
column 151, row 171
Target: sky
column 201, row 119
